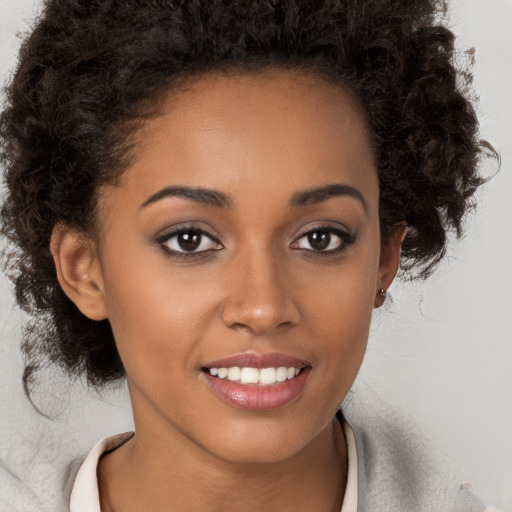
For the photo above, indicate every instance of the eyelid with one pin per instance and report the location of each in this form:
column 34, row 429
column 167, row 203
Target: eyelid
column 333, row 226
column 169, row 231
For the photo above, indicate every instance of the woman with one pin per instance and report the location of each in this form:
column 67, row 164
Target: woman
column 210, row 199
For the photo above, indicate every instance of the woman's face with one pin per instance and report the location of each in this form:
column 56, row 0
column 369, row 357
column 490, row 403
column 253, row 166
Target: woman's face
column 244, row 236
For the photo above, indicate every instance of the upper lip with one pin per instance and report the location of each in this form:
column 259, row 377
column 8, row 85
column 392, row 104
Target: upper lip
column 253, row 360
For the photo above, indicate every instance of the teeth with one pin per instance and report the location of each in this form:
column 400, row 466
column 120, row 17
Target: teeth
column 267, row 376
column 281, row 374
column 234, row 373
column 247, row 375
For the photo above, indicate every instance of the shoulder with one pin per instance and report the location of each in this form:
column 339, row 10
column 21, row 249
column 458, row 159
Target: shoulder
column 48, row 482
column 398, row 472
column 38, row 489
column 14, row 494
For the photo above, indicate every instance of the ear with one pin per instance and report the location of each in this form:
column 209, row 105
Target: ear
column 78, row 270
column 389, row 261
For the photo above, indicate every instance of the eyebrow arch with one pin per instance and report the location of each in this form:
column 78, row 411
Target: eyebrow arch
column 198, row 194
column 319, row 194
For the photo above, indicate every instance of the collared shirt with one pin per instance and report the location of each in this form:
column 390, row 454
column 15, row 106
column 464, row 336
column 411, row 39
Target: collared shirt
column 85, row 493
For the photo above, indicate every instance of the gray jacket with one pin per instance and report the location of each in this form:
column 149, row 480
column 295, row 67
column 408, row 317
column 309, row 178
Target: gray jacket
column 395, row 473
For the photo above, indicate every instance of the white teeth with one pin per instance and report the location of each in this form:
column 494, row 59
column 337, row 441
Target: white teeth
column 248, row 375
column 234, row 373
column 281, row 374
column 268, row 376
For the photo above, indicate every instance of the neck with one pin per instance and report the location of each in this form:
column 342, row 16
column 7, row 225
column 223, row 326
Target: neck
column 174, row 474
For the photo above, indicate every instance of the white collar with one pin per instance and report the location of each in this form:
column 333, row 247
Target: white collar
column 85, row 496
column 351, row 490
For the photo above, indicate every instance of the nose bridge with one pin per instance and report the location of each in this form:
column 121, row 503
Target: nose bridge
column 258, row 297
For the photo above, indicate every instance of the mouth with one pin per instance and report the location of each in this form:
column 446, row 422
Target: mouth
column 257, row 382
column 247, row 375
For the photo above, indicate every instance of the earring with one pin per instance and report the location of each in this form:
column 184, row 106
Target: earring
column 380, row 298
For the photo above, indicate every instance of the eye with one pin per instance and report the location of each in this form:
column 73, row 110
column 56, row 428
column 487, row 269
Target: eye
column 188, row 240
column 324, row 239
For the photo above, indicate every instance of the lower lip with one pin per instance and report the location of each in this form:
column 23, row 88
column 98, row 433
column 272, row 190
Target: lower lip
column 258, row 398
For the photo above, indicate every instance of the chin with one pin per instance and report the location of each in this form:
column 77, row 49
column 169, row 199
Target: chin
column 257, row 444
column 252, row 453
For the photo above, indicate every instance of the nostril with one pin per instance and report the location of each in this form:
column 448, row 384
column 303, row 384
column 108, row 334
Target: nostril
column 240, row 327
column 260, row 319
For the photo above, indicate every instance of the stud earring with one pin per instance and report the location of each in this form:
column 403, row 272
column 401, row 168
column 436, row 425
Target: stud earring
column 382, row 293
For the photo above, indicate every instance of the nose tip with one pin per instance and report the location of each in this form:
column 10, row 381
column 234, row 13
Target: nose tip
column 260, row 303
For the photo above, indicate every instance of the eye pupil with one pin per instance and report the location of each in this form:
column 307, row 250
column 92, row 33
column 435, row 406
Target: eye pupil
column 189, row 241
column 319, row 239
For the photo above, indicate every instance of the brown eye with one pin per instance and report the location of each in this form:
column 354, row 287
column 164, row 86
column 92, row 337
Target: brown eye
column 324, row 240
column 319, row 240
column 189, row 240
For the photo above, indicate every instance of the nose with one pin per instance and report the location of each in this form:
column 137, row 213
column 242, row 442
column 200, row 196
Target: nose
column 259, row 296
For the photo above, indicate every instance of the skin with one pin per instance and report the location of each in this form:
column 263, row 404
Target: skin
column 260, row 287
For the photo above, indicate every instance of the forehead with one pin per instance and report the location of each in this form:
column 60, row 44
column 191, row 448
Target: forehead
column 282, row 130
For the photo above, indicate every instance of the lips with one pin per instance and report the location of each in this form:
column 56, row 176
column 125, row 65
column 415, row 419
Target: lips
column 251, row 360
column 257, row 381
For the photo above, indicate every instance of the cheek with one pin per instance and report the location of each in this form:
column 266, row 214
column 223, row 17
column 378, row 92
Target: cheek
column 340, row 308
column 154, row 311
column 346, row 291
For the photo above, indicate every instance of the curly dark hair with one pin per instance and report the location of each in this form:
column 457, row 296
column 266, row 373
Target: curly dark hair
column 91, row 68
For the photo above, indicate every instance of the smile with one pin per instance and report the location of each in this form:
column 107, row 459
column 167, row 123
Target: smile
column 260, row 376
column 258, row 382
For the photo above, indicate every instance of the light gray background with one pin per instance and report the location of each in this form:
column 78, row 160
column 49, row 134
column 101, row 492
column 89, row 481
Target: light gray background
column 440, row 354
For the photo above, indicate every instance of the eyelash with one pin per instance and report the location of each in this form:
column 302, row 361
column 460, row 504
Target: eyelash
column 346, row 239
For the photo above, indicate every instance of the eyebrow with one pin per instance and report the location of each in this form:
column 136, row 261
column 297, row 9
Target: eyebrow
column 215, row 198
column 197, row 194
column 319, row 194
